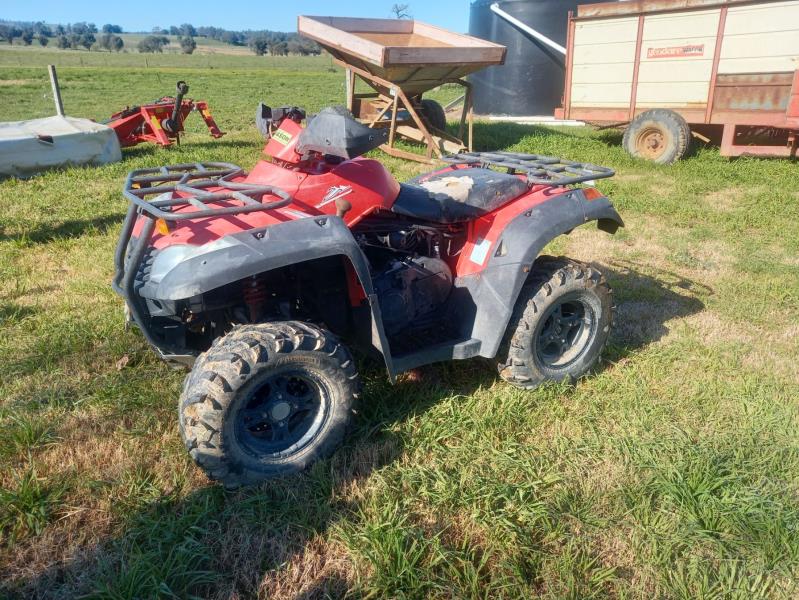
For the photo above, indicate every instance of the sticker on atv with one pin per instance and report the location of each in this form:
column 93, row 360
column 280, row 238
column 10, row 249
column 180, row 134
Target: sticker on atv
column 333, row 193
column 284, row 137
column 480, row 251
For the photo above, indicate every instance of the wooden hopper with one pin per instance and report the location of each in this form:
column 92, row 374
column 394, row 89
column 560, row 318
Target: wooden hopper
column 401, row 60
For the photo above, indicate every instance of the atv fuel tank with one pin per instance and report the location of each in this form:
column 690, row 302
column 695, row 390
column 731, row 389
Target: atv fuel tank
column 364, row 183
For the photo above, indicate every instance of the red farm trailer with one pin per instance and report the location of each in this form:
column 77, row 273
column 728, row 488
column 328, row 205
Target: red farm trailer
column 670, row 70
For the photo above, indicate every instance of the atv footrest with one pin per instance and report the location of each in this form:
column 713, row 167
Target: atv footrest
column 454, row 350
column 543, row 170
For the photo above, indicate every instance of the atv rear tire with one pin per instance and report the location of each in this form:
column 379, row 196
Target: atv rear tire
column 560, row 324
column 434, row 113
column 267, row 400
column 659, row 135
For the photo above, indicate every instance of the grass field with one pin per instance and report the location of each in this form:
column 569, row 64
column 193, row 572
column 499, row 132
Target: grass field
column 671, row 472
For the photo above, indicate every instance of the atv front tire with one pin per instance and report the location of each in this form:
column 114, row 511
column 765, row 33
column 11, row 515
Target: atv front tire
column 659, row 135
column 559, row 325
column 267, row 400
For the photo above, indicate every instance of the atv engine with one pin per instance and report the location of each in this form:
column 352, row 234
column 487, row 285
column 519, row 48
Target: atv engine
column 411, row 279
column 411, row 290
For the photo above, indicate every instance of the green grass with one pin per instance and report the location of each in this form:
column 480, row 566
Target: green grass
column 670, row 472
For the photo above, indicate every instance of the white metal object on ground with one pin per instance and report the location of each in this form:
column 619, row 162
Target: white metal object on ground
column 27, row 147
column 535, row 120
column 527, row 29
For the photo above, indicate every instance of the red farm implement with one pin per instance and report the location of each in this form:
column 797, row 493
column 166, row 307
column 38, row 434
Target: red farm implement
column 160, row 122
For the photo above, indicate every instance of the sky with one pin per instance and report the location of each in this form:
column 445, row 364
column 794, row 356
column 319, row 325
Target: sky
column 143, row 15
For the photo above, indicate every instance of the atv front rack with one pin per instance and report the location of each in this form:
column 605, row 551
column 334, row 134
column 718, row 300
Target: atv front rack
column 152, row 195
column 543, row 170
column 153, row 191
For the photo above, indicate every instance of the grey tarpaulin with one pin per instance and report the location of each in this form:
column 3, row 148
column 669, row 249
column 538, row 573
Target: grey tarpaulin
column 27, row 147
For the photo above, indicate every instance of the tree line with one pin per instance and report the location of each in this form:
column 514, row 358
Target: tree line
column 72, row 35
column 88, row 36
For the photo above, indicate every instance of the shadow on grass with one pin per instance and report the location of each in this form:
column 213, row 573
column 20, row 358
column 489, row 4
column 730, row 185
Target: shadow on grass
column 147, row 150
column 213, row 543
column 46, row 233
column 269, row 540
column 11, row 312
column 490, row 136
column 646, row 303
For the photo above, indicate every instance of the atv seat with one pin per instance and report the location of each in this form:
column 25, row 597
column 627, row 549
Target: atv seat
column 457, row 196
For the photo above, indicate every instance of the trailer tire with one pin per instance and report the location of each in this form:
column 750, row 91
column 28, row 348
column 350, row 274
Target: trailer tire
column 267, row 400
column 659, row 135
column 559, row 326
column 434, row 113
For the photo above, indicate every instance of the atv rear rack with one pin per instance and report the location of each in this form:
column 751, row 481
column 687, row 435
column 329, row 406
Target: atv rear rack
column 192, row 179
column 541, row 170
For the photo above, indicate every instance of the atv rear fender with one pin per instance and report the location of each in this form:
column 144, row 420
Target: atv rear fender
column 491, row 294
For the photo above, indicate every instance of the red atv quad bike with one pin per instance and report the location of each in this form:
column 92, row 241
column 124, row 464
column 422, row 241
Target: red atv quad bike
column 259, row 280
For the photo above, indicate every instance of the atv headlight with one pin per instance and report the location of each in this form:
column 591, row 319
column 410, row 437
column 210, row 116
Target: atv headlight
column 171, row 256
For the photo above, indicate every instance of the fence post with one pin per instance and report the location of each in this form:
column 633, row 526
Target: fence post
column 59, row 105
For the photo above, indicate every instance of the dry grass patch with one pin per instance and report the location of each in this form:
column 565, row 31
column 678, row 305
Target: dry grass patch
column 321, row 570
column 726, row 199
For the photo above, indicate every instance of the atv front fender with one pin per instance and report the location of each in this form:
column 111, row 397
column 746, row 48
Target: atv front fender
column 260, row 250
column 493, row 292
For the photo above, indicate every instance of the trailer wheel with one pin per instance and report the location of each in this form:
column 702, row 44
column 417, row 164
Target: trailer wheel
column 659, row 135
column 434, row 113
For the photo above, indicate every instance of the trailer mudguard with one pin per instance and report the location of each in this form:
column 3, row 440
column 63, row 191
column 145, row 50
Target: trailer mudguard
column 492, row 293
column 257, row 251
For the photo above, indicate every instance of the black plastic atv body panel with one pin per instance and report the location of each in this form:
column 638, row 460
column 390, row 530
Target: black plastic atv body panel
column 335, row 132
column 485, row 300
column 261, row 250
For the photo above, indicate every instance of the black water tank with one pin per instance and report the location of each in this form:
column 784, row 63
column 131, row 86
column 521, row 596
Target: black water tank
column 531, row 80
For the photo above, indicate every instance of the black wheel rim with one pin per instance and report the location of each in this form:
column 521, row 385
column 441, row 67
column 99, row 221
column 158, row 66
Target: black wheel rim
column 565, row 332
column 283, row 414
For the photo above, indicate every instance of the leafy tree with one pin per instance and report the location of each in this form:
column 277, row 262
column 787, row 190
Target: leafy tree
column 43, row 41
column 174, row 30
column 27, row 37
column 187, row 44
column 83, row 28
column 401, row 11
column 259, row 45
column 108, row 28
column 110, row 42
column 41, row 29
column 188, row 30
column 232, row 37
column 9, row 32
column 60, row 30
column 278, row 49
column 63, row 42
column 86, row 40
column 153, row 43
